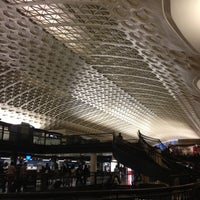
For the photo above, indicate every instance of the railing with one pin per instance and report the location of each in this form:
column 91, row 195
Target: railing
column 184, row 192
column 154, row 153
column 150, row 140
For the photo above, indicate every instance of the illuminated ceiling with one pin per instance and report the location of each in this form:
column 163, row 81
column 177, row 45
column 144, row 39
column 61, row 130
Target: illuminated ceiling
column 97, row 66
column 184, row 17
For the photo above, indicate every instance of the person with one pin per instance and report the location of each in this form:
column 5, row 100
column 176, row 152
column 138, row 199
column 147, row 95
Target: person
column 116, row 175
column 23, row 176
column 18, row 180
column 11, row 175
column 45, row 176
column 47, row 169
column 86, row 174
column 73, row 176
column 1, row 175
column 138, row 179
column 4, row 180
column 67, row 176
column 79, row 175
column 55, row 174
column 132, row 177
column 120, row 136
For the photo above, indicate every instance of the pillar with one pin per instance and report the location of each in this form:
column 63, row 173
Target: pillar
column 93, row 168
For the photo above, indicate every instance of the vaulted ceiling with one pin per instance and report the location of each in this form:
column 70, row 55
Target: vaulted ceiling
column 97, row 66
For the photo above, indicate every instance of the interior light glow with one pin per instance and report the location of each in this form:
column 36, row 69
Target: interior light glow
column 46, row 160
column 198, row 82
column 28, row 157
column 17, row 118
column 186, row 15
column 5, row 158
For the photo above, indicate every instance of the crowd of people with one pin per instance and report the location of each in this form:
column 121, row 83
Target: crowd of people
column 73, row 176
column 15, row 178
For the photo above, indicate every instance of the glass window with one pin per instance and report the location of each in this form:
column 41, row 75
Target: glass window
column 38, row 140
column 6, row 133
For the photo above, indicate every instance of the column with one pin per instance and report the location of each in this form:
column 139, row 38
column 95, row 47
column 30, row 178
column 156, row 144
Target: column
column 93, row 168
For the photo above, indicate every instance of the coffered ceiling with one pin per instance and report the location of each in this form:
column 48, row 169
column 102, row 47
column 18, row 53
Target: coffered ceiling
column 97, row 66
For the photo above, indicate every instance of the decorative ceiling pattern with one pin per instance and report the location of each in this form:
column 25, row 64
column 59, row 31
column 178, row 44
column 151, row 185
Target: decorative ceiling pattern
column 97, row 66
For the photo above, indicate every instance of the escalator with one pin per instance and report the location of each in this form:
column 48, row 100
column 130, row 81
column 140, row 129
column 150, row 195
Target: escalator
column 145, row 159
column 176, row 166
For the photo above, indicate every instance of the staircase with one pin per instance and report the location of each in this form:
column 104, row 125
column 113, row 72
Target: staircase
column 148, row 160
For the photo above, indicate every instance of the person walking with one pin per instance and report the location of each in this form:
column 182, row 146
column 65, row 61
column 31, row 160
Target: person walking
column 11, row 175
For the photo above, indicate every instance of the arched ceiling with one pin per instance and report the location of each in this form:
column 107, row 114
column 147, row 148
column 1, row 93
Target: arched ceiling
column 97, row 66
